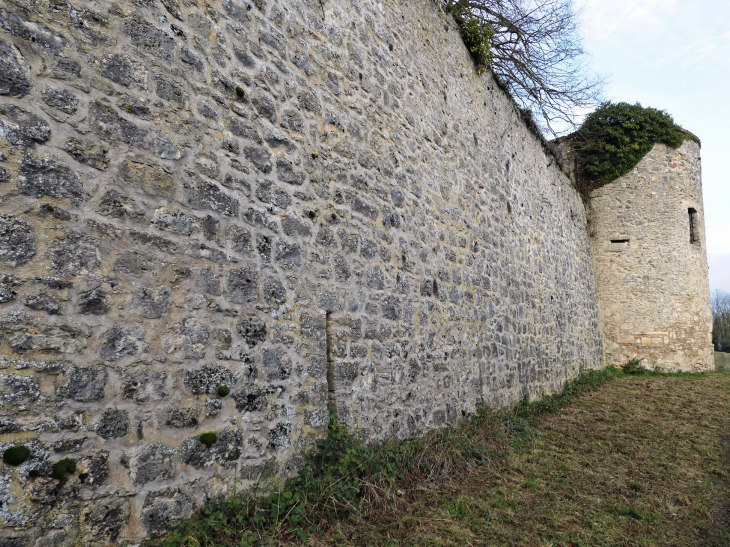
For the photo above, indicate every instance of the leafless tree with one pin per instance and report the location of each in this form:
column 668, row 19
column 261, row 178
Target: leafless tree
column 721, row 320
column 537, row 54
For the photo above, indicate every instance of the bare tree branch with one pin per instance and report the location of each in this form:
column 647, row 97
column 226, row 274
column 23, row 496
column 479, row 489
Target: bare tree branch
column 537, row 54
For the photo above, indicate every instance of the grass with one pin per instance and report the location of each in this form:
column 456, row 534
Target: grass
column 615, row 459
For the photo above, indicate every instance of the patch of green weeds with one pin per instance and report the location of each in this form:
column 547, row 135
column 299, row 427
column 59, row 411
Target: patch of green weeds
column 634, row 368
column 208, row 439
column 624, row 511
column 62, row 469
column 588, row 381
column 15, row 455
column 457, row 509
column 344, row 478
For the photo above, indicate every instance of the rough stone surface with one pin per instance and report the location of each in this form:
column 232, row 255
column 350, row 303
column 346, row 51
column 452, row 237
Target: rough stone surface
column 14, row 72
column 161, row 236
column 17, row 241
column 62, row 100
column 38, row 178
column 84, row 384
column 722, row 361
column 114, row 424
column 654, row 307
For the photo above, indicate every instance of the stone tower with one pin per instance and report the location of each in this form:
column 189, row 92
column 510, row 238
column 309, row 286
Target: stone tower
column 648, row 239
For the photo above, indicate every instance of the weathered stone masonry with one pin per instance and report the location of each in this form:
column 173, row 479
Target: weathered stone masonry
column 647, row 231
column 370, row 224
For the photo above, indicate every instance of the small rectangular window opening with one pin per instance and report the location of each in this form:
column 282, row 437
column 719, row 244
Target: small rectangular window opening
column 693, row 232
column 618, row 245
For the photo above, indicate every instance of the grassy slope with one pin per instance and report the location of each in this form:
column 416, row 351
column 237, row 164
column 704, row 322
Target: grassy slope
column 642, row 461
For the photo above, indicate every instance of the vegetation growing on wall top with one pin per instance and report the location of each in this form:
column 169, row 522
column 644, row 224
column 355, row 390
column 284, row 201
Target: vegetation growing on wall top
column 477, row 35
column 533, row 48
column 614, row 138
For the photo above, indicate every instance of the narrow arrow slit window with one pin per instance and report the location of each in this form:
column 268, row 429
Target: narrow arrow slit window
column 694, row 236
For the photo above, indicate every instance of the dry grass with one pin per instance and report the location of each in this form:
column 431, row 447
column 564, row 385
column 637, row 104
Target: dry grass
column 642, row 461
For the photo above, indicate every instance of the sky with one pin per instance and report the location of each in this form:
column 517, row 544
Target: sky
column 674, row 55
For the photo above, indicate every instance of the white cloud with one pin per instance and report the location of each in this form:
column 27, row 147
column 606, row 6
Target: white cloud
column 718, row 235
column 603, row 19
column 704, row 49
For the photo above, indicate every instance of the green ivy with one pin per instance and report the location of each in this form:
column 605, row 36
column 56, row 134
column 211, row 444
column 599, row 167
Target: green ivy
column 476, row 34
column 614, row 139
column 477, row 38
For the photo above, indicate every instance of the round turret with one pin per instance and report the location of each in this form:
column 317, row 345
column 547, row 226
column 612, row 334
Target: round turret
column 648, row 240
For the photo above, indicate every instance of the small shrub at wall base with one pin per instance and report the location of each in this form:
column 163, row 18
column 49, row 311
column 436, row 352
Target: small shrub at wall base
column 15, row 455
column 208, row 439
column 343, row 476
column 634, row 367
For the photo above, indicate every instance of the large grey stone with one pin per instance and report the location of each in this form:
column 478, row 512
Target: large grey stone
column 114, row 423
column 122, row 340
column 17, row 241
column 209, row 378
column 74, row 253
column 84, row 384
column 15, row 79
column 105, row 121
column 39, row 177
column 155, row 463
column 25, row 128
column 242, row 285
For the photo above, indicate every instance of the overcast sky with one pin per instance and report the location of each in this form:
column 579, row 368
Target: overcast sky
column 675, row 55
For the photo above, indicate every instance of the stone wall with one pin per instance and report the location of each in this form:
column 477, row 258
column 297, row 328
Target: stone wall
column 312, row 203
column 653, row 281
column 722, row 360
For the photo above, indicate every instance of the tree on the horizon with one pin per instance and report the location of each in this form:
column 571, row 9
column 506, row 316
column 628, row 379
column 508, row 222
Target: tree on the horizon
column 721, row 320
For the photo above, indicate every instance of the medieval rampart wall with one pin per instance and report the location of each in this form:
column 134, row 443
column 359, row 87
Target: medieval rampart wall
column 364, row 222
